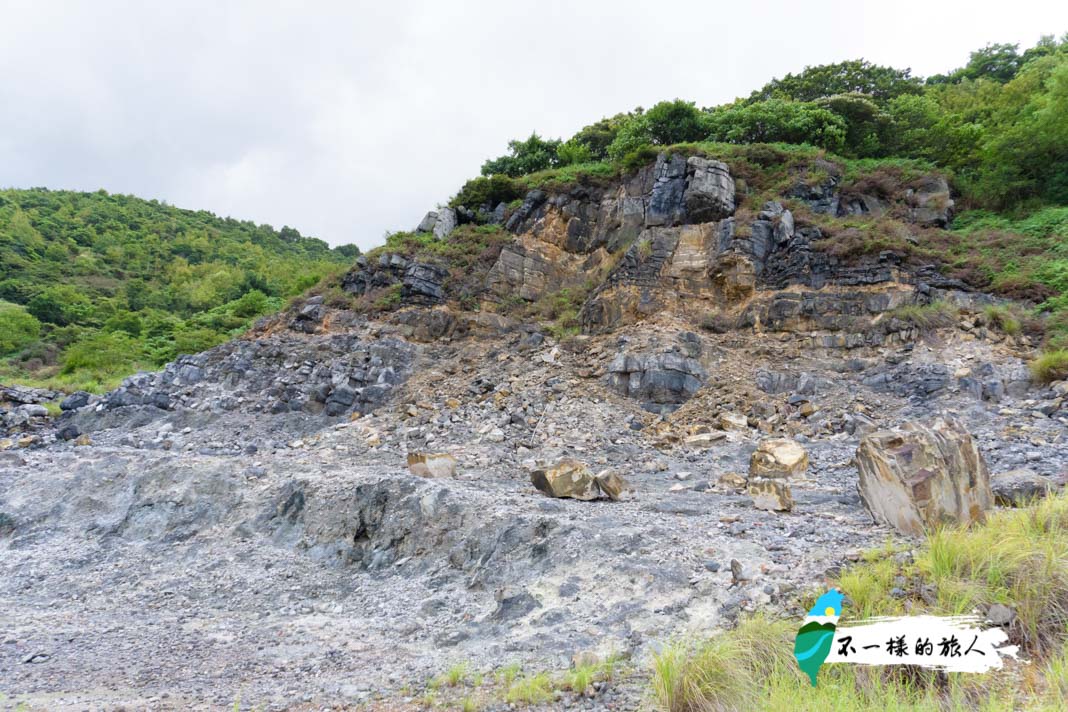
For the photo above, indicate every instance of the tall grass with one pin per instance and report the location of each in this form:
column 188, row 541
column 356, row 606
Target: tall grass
column 1018, row 558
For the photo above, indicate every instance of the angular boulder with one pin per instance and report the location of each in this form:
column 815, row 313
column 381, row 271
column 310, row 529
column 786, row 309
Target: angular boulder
column 433, row 465
column 921, row 476
column 778, row 458
column 662, row 378
column 612, row 484
column 567, row 478
column 771, row 495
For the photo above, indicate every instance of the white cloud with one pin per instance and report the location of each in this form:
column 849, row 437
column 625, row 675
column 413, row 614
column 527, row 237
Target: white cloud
column 351, row 118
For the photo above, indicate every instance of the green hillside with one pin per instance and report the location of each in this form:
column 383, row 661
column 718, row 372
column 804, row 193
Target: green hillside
column 95, row 286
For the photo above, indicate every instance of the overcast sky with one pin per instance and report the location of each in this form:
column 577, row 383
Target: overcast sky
column 348, row 119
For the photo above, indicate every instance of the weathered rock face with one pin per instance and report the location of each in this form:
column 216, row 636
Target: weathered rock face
column 778, row 458
column 919, row 476
column 927, row 203
column 433, row 465
column 530, row 268
column 710, row 192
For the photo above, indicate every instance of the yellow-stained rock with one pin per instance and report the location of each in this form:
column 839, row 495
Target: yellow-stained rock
column 778, row 458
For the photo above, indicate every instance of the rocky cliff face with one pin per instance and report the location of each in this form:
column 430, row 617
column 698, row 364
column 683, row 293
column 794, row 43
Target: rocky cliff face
column 251, row 512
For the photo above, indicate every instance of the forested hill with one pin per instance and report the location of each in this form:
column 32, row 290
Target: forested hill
column 94, row 286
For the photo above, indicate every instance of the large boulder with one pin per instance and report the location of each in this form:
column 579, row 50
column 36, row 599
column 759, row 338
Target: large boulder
column 931, row 203
column 571, row 478
column 567, row 478
column 921, row 476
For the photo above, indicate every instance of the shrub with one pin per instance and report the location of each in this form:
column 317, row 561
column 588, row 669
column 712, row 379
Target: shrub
column 487, row 191
column 250, row 304
column 530, row 690
column 103, row 354
column 193, row 341
column 18, row 328
column 667, row 123
column 533, row 154
column 1002, row 317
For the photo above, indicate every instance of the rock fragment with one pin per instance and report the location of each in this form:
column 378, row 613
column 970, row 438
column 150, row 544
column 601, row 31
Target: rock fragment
column 432, row 465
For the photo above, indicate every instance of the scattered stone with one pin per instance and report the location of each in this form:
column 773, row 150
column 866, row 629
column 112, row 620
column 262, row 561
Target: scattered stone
column 612, row 484
column 733, row 421
column 740, row 574
column 1018, row 488
column 1000, row 614
column 732, row 480
column 919, row 477
column 703, row 440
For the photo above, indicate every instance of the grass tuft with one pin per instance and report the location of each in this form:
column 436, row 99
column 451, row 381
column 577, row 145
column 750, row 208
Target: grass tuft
column 1051, row 366
column 530, row 690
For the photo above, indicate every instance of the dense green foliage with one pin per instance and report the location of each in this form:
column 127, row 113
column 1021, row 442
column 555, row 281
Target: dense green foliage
column 94, row 286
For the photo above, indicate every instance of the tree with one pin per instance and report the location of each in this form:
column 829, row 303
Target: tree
column 597, row 137
column 852, row 77
column 675, row 122
column 60, row 305
column 534, row 154
column 998, row 62
column 866, row 124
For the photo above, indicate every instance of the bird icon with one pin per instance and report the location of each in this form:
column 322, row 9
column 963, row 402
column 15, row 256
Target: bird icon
column 814, row 639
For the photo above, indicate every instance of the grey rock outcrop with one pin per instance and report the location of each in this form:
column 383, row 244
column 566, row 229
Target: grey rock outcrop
column 440, row 222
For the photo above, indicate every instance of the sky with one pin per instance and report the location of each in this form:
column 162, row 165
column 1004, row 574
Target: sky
column 346, row 120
